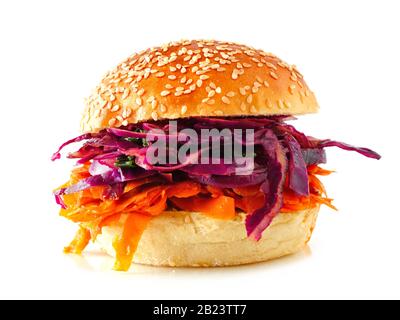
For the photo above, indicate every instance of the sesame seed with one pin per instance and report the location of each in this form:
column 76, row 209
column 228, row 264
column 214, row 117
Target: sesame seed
column 282, row 64
column 195, row 68
column 165, row 93
column 224, row 55
column 125, row 94
column 280, row 104
column 138, row 101
column 154, row 115
column 235, row 74
column 183, row 70
column 254, row 89
column 302, row 96
column 211, row 101
column 140, row 92
column 212, row 85
column 112, row 122
column 172, row 69
column 154, row 104
column 119, row 118
column 211, row 93
column 266, row 84
column 103, row 104
column 292, row 87
column 221, row 69
column 249, row 99
column 230, row 94
column 168, row 86
column 180, row 89
column 243, row 106
column 204, row 77
column 199, row 83
column 259, row 79
column 307, row 93
column 172, row 77
column 225, row 100
column 218, row 113
column 271, row 65
column 273, row 75
column 218, row 90
column 160, row 74
column 183, row 109
column 242, row 91
column 115, row 108
column 287, row 104
column 253, row 109
column 178, row 93
column 192, row 87
column 125, row 123
column 205, row 100
column 128, row 112
column 163, row 108
column 112, row 97
column 183, row 80
column 246, row 65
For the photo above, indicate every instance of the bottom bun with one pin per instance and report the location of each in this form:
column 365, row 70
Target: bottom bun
column 190, row 239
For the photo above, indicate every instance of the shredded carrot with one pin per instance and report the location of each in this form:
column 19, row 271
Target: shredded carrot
column 213, row 191
column 143, row 199
column 220, row 208
column 79, row 243
column 247, row 191
column 293, row 202
column 251, row 203
column 126, row 245
column 183, row 189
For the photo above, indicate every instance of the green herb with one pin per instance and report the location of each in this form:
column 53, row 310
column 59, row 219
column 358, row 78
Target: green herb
column 125, row 162
column 252, row 155
column 135, row 140
column 140, row 141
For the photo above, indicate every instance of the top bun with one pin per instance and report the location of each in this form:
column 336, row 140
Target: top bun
column 197, row 78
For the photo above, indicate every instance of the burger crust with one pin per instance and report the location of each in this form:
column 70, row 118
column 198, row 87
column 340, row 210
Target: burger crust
column 197, row 78
column 190, row 239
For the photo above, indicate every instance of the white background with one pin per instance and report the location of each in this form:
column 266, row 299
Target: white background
column 52, row 53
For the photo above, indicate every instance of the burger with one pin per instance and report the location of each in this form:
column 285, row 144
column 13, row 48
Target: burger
column 187, row 159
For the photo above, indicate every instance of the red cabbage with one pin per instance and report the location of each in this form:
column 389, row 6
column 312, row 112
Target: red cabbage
column 298, row 175
column 364, row 151
column 313, row 156
column 261, row 218
column 110, row 177
column 232, row 181
column 57, row 154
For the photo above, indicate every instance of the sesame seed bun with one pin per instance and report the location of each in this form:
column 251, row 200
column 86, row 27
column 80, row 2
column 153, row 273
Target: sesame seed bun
column 197, row 78
column 189, row 239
